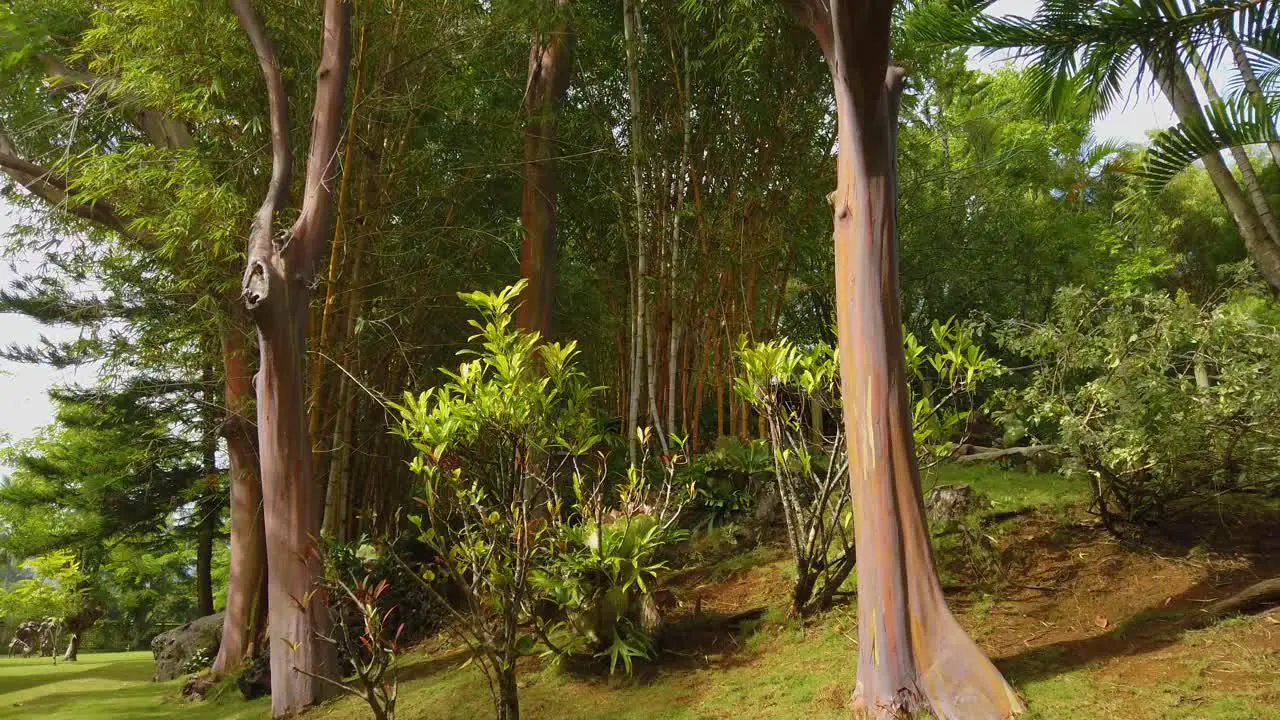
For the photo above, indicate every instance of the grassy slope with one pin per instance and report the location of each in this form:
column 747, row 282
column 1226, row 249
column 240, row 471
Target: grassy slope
column 1102, row 644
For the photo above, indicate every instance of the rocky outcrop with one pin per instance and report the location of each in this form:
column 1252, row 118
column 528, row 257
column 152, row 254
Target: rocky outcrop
column 174, row 650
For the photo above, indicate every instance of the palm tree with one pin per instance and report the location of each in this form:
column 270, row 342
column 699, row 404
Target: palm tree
column 1082, row 51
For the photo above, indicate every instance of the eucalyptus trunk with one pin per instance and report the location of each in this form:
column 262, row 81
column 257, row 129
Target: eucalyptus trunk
column 277, row 290
column 246, row 609
column 913, row 657
column 550, row 66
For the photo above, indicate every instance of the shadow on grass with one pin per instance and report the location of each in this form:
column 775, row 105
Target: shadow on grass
column 691, row 643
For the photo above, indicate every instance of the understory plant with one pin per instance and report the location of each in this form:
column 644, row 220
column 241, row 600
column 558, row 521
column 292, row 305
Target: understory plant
column 1155, row 399
column 794, row 388
column 365, row 637
column 725, row 478
column 508, row 452
column 602, row 577
column 375, row 608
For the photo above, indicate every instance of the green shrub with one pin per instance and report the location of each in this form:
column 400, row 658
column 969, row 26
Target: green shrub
column 726, row 477
column 601, row 581
column 507, row 453
column 1154, row 398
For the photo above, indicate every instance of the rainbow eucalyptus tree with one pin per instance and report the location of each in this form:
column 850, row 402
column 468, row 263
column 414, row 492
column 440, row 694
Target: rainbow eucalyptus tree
column 913, row 657
column 550, row 65
column 276, row 287
column 69, row 188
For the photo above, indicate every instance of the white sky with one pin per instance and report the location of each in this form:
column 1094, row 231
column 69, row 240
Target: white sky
column 24, row 401
column 24, row 404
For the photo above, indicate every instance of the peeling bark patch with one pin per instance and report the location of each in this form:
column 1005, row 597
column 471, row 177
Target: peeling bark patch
column 256, row 286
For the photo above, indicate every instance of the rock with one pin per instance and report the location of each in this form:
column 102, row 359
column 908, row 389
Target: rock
column 946, row 505
column 175, row 648
column 198, row 685
column 768, row 507
column 255, row 680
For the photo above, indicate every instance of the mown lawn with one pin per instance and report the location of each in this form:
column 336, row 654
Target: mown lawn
column 105, row 686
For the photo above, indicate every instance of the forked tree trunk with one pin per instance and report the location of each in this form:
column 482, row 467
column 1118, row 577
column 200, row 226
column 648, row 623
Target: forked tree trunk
column 550, row 65
column 246, row 609
column 913, row 657
column 277, row 290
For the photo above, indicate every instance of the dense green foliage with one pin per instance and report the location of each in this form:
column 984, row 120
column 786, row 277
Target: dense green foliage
column 1156, row 399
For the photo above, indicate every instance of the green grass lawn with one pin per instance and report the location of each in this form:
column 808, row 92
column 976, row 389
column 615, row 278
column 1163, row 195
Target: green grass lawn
column 105, row 686
column 1012, row 490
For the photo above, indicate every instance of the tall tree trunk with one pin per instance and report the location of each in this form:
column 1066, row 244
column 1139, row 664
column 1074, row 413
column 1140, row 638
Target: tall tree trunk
column 209, row 506
column 630, row 17
column 206, row 532
column 323, row 401
column 913, row 658
column 550, row 66
column 1251, row 86
column 246, row 609
column 675, row 291
column 1176, row 84
column 339, row 486
column 277, row 290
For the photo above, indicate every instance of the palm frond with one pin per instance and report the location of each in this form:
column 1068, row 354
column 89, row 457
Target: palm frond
column 1225, row 125
column 1087, row 47
column 1075, row 24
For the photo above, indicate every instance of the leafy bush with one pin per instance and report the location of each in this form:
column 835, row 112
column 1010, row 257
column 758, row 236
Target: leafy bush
column 601, row 581
column 412, row 607
column 944, row 380
column 1155, row 398
column 55, row 588
column 793, row 387
column 725, row 477
column 366, row 630
column 506, row 451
